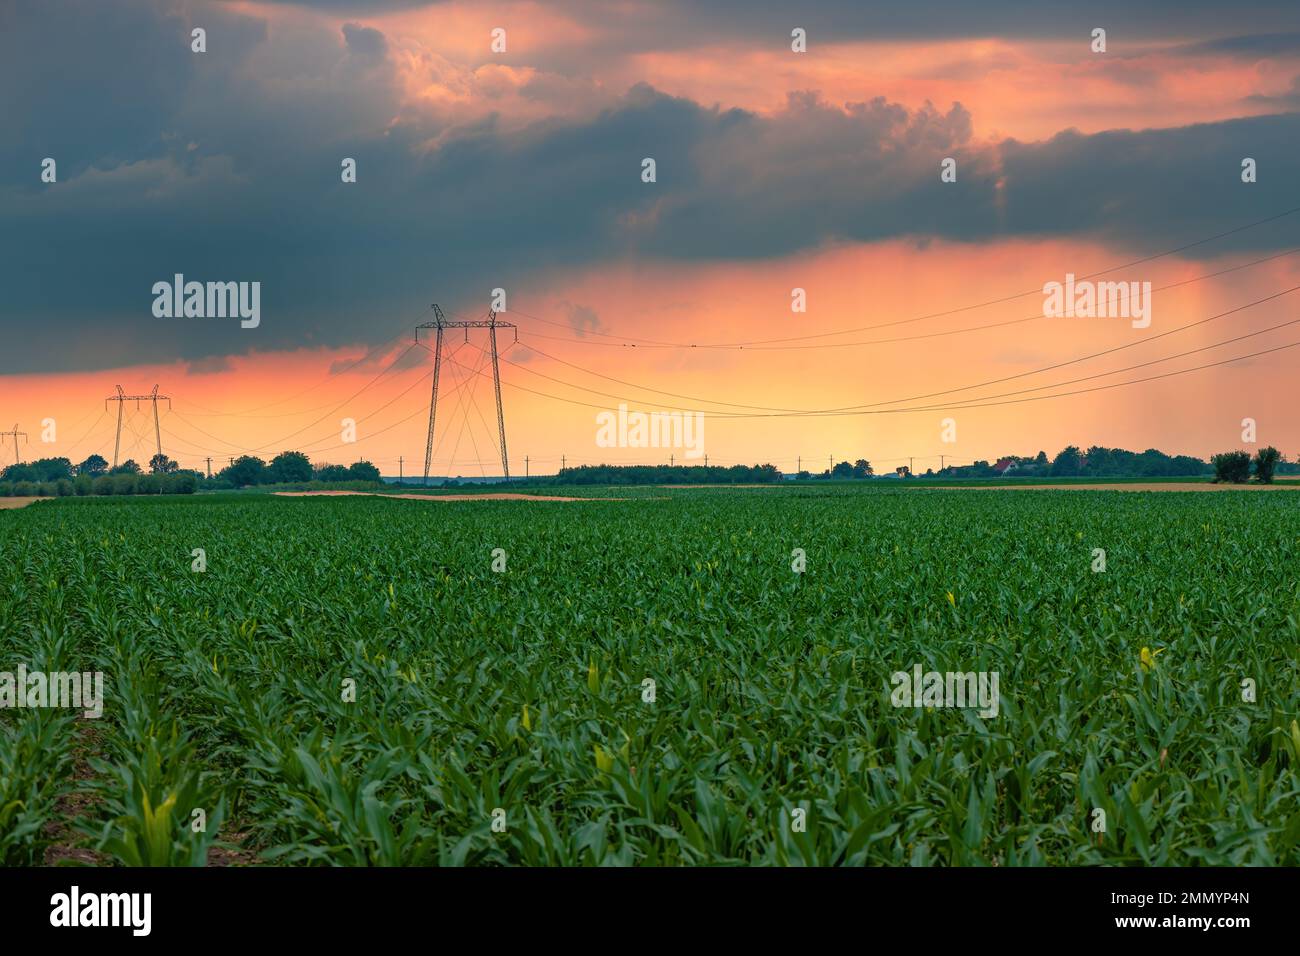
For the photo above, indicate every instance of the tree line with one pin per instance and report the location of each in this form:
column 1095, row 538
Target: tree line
column 59, row 477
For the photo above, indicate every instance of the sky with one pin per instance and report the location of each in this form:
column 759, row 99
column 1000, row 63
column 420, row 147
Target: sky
column 522, row 169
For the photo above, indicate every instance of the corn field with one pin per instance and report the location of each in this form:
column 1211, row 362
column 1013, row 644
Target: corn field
column 698, row 677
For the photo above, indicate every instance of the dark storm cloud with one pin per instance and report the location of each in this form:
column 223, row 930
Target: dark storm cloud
column 225, row 166
column 665, row 24
column 1251, row 46
column 365, row 41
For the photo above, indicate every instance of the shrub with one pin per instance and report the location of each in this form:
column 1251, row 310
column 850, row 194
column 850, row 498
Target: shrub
column 124, row 483
column 84, row 485
column 63, row 487
column 103, row 485
column 1266, row 461
column 148, row 485
column 1232, row 466
column 184, row 483
column 6, row 489
column 24, row 489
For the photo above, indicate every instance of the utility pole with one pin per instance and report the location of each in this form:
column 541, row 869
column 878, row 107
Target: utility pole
column 15, row 433
column 209, row 466
column 941, row 457
column 910, row 470
column 562, row 461
column 706, row 461
column 121, row 398
column 799, row 467
column 672, row 461
column 441, row 322
column 832, row 460
column 400, row 465
column 525, row 466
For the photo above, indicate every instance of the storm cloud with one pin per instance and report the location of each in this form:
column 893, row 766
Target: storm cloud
column 225, row 166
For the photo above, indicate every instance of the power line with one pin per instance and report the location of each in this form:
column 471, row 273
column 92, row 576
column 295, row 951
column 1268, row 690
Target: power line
column 853, row 408
column 931, row 408
column 932, row 315
column 280, row 441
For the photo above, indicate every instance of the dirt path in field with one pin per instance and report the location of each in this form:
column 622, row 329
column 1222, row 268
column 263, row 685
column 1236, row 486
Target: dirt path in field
column 67, row 843
column 504, row 496
column 1119, row 486
column 18, row 502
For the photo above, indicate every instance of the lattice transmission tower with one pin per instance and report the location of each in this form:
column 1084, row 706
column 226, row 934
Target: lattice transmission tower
column 15, row 433
column 441, row 323
column 121, row 398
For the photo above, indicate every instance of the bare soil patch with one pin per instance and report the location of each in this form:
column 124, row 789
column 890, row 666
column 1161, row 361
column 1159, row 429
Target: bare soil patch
column 67, row 843
column 18, row 502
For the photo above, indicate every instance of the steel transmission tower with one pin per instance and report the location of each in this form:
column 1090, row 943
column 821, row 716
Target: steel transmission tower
column 439, row 323
column 15, row 433
column 121, row 398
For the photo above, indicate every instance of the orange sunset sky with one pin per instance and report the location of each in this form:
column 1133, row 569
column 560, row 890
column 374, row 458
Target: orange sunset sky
column 775, row 170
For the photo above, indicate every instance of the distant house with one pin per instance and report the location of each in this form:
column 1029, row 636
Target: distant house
column 903, row 471
column 1005, row 465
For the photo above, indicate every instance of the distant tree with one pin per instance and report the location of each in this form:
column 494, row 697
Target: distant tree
column 289, row 466
column 1266, row 460
column 1067, row 463
column 47, row 470
column 1232, row 466
column 804, row 475
column 19, row 472
column 1041, row 459
column 247, row 470
column 862, row 468
column 160, row 464
column 331, row 473
column 181, row 483
column 842, row 469
column 363, row 471
column 94, row 466
column 128, row 467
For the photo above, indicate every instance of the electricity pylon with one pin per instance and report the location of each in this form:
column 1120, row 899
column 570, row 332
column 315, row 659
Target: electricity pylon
column 441, row 322
column 122, row 397
column 16, row 433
